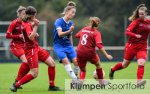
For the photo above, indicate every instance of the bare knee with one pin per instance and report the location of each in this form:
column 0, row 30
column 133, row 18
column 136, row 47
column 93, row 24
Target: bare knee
column 125, row 63
column 50, row 62
column 141, row 62
column 34, row 72
column 23, row 58
column 75, row 61
column 98, row 65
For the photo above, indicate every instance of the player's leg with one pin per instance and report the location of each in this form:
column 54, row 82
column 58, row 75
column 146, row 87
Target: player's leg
column 129, row 53
column 60, row 52
column 141, row 59
column 82, row 65
column 71, row 54
column 47, row 59
column 24, row 67
column 32, row 58
column 96, row 61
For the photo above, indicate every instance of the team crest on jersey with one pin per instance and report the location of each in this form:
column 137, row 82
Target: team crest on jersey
column 140, row 24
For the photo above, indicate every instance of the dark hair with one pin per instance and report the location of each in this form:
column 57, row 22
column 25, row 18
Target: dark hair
column 135, row 14
column 30, row 10
column 69, row 6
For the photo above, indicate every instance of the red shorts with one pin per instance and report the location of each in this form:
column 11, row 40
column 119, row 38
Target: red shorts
column 135, row 50
column 17, row 49
column 82, row 59
column 42, row 54
column 35, row 54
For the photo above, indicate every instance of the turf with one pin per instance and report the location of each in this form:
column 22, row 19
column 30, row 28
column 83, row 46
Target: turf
column 39, row 85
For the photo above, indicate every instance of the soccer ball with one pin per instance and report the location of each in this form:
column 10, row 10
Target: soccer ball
column 95, row 75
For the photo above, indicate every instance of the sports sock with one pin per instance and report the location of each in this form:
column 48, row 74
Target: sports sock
column 76, row 70
column 51, row 75
column 82, row 75
column 118, row 66
column 70, row 71
column 140, row 72
column 100, row 75
column 23, row 70
column 24, row 80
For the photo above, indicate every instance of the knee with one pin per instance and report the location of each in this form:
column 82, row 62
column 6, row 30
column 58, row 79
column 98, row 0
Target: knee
column 141, row 62
column 34, row 73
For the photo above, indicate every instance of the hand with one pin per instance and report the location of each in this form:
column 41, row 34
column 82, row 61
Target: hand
column 37, row 34
column 36, row 22
column 72, row 28
column 109, row 57
column 138, row 36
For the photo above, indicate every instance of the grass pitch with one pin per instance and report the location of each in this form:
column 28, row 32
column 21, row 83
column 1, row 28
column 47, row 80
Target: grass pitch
column 39, row 85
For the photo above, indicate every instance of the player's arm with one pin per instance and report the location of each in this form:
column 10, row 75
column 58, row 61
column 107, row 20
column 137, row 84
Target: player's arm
column 129, row 30
column 58, row 26
column 62, row 34
column 78, row 34
column 34, row 32
column 71, row 39
column 9, row 34
column 100, row 46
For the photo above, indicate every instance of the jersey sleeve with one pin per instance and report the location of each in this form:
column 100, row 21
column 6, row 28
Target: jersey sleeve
column 28, row 29
column 10, row 29
column 58, row 24
column 78, row 35
column 98, row 40
column 130, row 28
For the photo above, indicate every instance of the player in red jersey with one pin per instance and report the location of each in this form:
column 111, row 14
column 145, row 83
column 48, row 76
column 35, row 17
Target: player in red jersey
column 136, row 46
column 14, row 32
column 34, row 52
column 90, row 37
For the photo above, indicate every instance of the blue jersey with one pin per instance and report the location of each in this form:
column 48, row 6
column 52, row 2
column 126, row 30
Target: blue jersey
column 61, row 24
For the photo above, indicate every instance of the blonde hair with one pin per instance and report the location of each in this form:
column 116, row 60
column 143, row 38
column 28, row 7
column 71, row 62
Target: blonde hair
column 94, row 21
column 20, row 9
column 69, row 6
column 135, row 14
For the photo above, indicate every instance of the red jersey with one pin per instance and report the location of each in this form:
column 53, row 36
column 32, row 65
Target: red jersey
column 141, row 27
column 27, row 31
column 14, row 31
column 89, row 39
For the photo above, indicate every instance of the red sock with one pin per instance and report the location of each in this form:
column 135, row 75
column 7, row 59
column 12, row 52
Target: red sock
column 82, row 75
column 140, row 72
column 24, row 80
column 118, row 66
column 100, row 75
column 23, row 70
column 51, row 74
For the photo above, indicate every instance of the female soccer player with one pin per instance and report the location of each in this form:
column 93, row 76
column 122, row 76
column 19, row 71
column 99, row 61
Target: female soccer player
column 14, row 32
column 34, row 52
column 63, row 46
column 136, row 46
column 90, row 37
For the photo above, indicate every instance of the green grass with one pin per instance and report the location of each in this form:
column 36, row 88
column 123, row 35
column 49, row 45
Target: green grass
column 39, row 85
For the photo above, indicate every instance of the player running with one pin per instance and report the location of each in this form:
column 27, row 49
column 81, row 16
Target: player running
column 34, row 52
column 14, row 32
column 136, row 46
column 63, row 46
column 90, row 37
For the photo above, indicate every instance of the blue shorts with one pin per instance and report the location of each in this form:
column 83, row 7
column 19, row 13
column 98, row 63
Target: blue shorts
column 63, row 52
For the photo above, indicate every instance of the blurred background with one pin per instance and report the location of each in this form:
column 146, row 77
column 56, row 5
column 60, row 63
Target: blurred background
column 113, row 14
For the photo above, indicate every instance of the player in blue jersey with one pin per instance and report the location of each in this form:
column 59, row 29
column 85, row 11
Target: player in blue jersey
column 63, row 45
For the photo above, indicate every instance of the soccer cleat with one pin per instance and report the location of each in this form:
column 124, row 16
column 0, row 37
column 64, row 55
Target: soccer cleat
column 13, row 88
column 54, row 88
column 111, row 75
column 141, row 83
column 18, row 87
column 104, row 83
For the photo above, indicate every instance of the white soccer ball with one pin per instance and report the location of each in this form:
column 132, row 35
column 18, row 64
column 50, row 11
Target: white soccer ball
column 95, row 75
